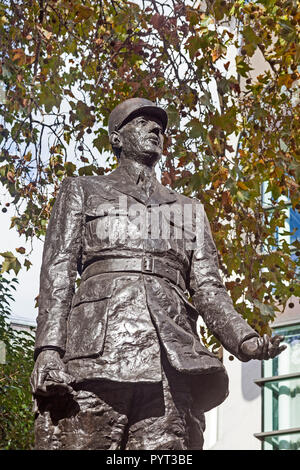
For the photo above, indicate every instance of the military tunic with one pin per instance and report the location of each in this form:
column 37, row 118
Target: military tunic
column 116, row 324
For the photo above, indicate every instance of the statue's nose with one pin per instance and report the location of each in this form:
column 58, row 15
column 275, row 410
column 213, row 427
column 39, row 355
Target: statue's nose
column 155, row 129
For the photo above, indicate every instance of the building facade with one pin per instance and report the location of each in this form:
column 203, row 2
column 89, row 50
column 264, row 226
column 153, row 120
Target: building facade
column 262, row 411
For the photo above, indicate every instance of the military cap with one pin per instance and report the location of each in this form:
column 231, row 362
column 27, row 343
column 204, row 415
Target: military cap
column 132, row 108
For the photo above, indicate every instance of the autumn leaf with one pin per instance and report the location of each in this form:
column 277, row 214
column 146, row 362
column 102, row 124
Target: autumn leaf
column 83, row 13
column 28, row 156
column 166, row 179
column 10, row 262
column 157, row 21
column 216, row 53
column 227, row 201
column 19, row 56
column 285, row 80
column 11, row 177
column 242, row 186
column 44, row 32
column 27, row 264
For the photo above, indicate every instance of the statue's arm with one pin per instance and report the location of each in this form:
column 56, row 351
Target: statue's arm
column 61, row 256
column 212, row 300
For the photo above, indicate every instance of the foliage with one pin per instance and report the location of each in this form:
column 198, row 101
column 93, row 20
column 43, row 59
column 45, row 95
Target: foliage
column 16, row 415
column 66, row 64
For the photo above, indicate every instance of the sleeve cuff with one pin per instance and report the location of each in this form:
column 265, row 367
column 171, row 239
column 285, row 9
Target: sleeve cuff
column 241, row 356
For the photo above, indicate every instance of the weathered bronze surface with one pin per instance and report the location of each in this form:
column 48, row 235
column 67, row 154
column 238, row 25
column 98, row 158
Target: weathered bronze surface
column 119, row 363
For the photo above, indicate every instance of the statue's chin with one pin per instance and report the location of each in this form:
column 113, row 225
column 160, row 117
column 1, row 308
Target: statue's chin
column 147, row 158
column 150, row 160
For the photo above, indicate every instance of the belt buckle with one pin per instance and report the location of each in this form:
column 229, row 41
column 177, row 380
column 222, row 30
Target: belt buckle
column 148, row 264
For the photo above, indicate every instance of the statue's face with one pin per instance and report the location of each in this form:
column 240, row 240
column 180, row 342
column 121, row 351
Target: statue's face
column 141, row 139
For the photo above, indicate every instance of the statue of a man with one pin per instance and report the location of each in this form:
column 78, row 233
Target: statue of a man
column 119, row 363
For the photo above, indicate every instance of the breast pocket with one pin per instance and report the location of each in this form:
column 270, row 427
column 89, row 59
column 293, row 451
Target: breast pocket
column 87, row 322
column 112, row 224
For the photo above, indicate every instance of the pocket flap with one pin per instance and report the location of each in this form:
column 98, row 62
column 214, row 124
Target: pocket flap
column 104, row 207
column 93, row 289
column 98, row 205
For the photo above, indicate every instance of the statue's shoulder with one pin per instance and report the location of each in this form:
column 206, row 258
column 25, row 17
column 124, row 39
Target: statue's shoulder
column 182, row 199
column 84, row 186
column 86, row 182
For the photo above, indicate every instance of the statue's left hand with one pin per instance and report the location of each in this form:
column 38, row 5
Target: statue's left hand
column 265, row 347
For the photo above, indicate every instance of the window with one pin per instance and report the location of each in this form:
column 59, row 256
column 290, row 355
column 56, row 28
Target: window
column 294, row 224
column 281, row 395
column 280, row 381
column 295, row 230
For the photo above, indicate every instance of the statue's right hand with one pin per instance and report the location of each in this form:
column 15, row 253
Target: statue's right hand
column 49, row 376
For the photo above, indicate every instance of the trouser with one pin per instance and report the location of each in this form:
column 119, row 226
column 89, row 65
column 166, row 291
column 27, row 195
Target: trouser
column 114, row 416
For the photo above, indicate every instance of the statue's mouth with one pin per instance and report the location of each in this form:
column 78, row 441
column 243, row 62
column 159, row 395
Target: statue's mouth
column 153, row 137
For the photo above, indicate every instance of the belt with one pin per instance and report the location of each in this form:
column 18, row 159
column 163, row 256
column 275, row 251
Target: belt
column 144, row 265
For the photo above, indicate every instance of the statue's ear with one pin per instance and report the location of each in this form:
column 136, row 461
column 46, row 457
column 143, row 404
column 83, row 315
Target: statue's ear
column 115, row 140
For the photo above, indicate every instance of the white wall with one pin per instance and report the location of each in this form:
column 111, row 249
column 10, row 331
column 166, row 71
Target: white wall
column 231, row 426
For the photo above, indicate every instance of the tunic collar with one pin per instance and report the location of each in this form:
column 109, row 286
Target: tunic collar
column 125, row 180
column 138, row 172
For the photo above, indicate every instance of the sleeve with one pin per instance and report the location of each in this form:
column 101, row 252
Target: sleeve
column 61, row 256
column 210, row 296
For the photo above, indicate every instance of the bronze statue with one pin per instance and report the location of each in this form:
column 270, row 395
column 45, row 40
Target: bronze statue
column 119, row 363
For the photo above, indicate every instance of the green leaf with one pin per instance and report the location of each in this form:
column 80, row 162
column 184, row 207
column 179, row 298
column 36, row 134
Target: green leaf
column 250, row 35
column 241, row 66
column 27, row 264
column 48, row 99
column 88, row 170
column 10, row 262
column 265, row 310
column 196, row 128
column 226, row 121
column 83, row 13
column 173, row 116
column 101, row 142
column 195, row 43
column 70, row 168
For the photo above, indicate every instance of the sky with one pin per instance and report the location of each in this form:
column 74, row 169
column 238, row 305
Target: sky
column 28, row 286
